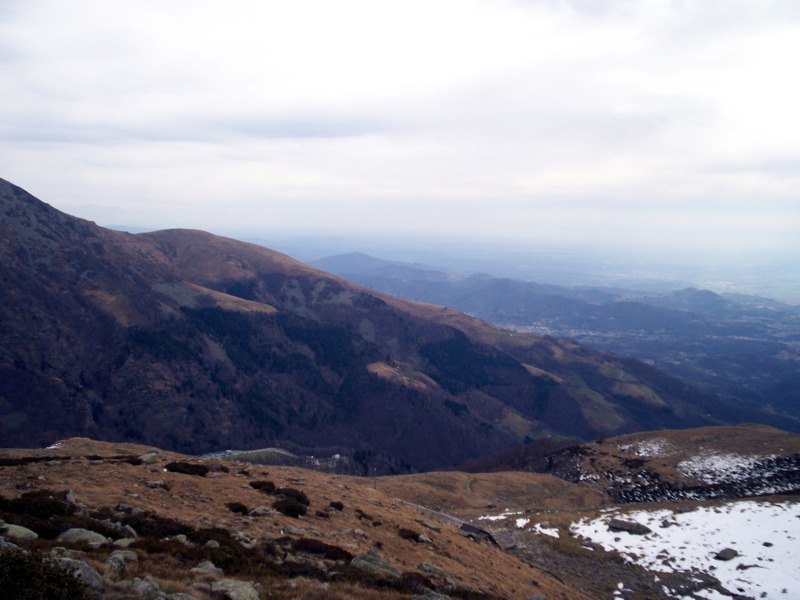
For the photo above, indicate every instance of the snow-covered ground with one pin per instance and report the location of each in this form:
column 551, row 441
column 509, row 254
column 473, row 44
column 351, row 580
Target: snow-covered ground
column 765, row 535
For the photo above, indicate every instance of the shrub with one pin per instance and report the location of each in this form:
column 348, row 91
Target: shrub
column 187, row 468
column 289, row 506
column 314, row 546
column 336, row 505
column 32, row 576
column 237, row 507
column 293, row 493
column 263, row 486
column 408, row 534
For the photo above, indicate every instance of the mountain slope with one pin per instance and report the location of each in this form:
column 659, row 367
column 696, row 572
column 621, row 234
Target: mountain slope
column 197, row 343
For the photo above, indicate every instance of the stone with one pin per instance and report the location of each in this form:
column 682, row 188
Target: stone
column 128, row 532
column 157, row 484
column 150, row 457
column 371, row 562
column 6, row 545
column 726, row 554
column 432, row 570
column 212, row 544
column 146, row 587
column 432, row 596
column 207, row 568
column 289, row 530
column 81, row 571
column 260, row 511
column 631, row 527
column 18, row 532
column 424, row 538
column 123, row 542
column 181, row 596
column 233, row 589
column 76, row 534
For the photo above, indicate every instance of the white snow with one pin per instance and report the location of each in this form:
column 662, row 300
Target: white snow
column 718, row 467
column 504, row 515
column 543, row 530
column 648, row 448
column 522, row 522
column 692, row 539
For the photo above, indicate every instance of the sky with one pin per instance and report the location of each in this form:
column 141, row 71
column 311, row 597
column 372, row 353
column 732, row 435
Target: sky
column 655, row 123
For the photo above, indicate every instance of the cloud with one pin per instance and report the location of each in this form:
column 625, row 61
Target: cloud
column 578, row 119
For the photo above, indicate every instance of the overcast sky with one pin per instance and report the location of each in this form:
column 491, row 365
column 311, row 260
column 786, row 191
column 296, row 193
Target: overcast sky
column 649, row 121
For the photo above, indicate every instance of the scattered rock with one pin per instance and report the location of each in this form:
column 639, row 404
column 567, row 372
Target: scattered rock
column 289, row 530
column 81, row 571
column 76, row 534
column 432, row 596
column 371, row 562
column 260, row 511
column 150, row 457
column 432, row 570
column 424, row 538
column 232, row 589
column 207, row 568
column 631, row 527
column 726, row 554
column 156, row 484
column 128, row 532
column 18, row 532
column 212, row 544
column 6, row 545
column 146, row 587
column 117, row 562
column 427, row 525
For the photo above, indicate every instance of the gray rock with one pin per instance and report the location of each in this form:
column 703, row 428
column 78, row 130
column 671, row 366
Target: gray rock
column 432, row 596
column 260, row 511
column 432, row 569
column 128, row 532
column 147, row 588
column 631, row 527
column 371, row 562
column 424, row 538
column 726, row 554
column 81, row 571
column 126, row 556
column 181, row 596
column 76, row 534
column 123, row 542
column 150, row 457
column 18, row 532
column 211, row 544
column 289, row 530
column 6, row 545
column 232, row 589
column 207, row 568
column 156, row 484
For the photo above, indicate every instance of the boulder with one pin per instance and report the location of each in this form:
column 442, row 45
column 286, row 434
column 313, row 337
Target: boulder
column 631, row 527
column 117, row 561
column 432, row 569
column 81, row 571
column 726, row 554
column 233, row 589
column 6, row 545
column 76, row 534
column 146, row 587
column 371, row 562
column 207, row 568
column 18, row 532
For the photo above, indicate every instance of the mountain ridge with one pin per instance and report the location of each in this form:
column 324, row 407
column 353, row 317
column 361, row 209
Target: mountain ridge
column 198, row 343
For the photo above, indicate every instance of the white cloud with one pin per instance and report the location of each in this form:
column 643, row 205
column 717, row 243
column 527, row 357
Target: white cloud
column 604, row 121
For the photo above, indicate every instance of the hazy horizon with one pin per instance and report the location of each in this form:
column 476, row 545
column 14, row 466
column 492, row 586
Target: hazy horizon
column 654, row 127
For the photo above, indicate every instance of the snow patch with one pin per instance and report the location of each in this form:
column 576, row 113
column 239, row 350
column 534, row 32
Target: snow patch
column 648, row 448
column 766, row 536
column 543, row 530
column 718, row 467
